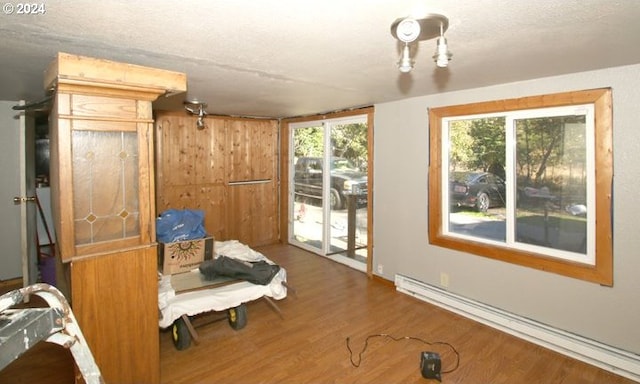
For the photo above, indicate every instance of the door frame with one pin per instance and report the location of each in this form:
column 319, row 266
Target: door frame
column 285, row 162
column 28, row 218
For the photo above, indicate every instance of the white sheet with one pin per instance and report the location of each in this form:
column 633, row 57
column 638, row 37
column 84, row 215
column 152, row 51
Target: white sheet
column 173, row 306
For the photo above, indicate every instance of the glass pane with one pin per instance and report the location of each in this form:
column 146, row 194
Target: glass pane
column 105, row 185
column 348, row 190
column 476, row 187
column 551, row 172
column 308, row 148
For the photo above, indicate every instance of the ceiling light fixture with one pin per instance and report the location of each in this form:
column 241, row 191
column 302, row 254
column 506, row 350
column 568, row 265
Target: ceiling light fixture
column 406, row 62
column 198, row 109
column 408, row 30
column 442, row 55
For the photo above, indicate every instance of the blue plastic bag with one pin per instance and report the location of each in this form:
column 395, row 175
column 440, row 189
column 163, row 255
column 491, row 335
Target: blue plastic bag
column 180, row 225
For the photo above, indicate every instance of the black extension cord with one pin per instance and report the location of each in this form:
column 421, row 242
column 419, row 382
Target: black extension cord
column 430, row 364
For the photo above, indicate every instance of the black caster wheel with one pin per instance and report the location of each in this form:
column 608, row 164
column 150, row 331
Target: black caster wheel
column 238, row 317
column 180, row 335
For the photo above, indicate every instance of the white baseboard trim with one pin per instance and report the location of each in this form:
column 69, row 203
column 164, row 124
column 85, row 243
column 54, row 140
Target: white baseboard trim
column 612, row 359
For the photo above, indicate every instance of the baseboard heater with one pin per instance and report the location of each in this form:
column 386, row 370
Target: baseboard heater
column 609, row 358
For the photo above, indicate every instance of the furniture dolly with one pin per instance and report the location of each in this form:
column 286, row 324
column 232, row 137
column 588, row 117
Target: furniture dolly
column 188, row 294
column 22, row 328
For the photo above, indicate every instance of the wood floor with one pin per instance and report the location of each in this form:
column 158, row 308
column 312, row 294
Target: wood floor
column 308, row 345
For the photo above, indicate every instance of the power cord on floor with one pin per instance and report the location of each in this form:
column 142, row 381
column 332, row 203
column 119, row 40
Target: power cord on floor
column 366, row 344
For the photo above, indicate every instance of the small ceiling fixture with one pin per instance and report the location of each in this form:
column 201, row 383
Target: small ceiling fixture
column 406, row 62
column 197, row 108
column 442, row 55
column 408, row 30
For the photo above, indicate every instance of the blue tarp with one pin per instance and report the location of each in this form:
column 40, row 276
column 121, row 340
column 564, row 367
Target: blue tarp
column 180, row 225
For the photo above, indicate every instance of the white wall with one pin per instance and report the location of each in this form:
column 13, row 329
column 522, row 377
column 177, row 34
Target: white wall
column 610, row 315
column 10, row 258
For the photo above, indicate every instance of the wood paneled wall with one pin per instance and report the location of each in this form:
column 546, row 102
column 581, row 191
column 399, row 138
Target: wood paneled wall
column 229, row 170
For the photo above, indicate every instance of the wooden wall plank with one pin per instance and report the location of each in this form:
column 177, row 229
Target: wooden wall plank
column 177, row 162
column 207, row 169
column 253, row 146
column 210, row 152
column 253, row 211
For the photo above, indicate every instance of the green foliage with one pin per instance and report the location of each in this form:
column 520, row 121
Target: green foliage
column 488, row 143
column 350, row 141
column 549, row 144
column 460, row 151
column 308, row 141
column 549, row 150
column 347, row 140
column 477, row 144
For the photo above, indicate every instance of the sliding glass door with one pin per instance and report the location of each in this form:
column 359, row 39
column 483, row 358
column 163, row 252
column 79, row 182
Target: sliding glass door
column 328, row 210
column 308, row 187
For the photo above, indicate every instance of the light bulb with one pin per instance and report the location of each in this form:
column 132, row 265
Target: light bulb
column 442, row 55
column 405, row 64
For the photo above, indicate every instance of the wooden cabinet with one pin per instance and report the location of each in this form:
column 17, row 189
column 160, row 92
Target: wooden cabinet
column 228, row 170
column 102, row 191
column 101, row 173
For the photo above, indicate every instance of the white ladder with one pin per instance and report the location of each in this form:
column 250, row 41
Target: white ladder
column 21, row 329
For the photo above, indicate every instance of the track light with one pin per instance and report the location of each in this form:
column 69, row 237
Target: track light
column 200, row 123
column 442, row 55
column 407, row 30
column 406, row 62
column 198, row 109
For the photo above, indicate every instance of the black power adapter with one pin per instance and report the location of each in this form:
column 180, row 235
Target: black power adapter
column 430, row 365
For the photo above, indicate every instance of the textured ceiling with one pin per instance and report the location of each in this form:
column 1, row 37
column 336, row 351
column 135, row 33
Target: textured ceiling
column 285, row 58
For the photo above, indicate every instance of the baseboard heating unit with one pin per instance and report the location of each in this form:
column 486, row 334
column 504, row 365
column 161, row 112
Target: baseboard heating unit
column 609, row 358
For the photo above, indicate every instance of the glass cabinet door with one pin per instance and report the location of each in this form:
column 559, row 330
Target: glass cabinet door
column 105, row 185
column 104, row 179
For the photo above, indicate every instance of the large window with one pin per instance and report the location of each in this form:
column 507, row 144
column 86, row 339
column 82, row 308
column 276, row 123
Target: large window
column 527, row 181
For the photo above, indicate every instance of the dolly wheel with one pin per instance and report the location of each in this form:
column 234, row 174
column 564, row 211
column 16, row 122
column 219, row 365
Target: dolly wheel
column 238, row 317
column 180, row 335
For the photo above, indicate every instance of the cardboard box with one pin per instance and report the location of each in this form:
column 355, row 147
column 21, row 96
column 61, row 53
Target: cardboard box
column 183, row 256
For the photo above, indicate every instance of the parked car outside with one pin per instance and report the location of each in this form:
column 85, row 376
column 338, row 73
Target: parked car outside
column 479, row 190
column 346, row 180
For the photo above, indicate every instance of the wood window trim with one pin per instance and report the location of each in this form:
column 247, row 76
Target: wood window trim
column 602, row 271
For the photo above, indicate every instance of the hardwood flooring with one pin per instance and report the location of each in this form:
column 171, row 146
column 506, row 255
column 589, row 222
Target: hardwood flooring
column 308, row 345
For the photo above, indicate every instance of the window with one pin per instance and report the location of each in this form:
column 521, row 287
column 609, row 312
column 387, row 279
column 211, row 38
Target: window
column 526, row 181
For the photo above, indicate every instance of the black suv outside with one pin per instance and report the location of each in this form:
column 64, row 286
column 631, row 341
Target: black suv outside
column 346, row 179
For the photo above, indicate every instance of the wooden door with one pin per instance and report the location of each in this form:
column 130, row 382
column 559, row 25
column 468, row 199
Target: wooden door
column 28, row 220
column 10, row 231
